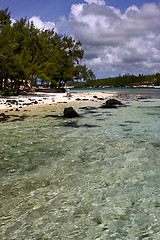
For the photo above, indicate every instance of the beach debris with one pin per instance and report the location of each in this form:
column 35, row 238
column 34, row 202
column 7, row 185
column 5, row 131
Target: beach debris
column 70, row 113
column 111, row 103
column 68, row 94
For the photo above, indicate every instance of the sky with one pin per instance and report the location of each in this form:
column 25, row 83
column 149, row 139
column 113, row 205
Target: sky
column 118, row 36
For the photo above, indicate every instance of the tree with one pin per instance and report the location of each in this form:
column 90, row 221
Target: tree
column 70, row 54
column 4, row 18
column 5, row 48
column 91, row 75
column 26, row 53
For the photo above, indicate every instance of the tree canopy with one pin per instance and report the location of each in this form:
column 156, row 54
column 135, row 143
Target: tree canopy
column 126, row 80
column 30, row 54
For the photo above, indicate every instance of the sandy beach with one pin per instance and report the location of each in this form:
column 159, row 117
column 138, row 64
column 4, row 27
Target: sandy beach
column 35, row 101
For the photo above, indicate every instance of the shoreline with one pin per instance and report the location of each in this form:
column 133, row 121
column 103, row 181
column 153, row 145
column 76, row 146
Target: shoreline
column 35, row 101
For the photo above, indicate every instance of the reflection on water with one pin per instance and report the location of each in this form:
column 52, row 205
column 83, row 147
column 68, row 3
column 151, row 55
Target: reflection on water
column 94, row 177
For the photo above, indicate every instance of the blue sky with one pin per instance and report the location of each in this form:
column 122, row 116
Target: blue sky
column 118, row 36
column 51, row 10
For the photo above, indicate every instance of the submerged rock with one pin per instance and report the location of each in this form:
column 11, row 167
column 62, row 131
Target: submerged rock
column 70, row 113
column 2, row 115
column 111, row 103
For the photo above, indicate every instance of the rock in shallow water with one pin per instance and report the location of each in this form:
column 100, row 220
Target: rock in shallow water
column 111, row 103
column 70, row 113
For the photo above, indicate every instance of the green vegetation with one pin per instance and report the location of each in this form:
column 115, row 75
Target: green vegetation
column 29, row 55
column 122, row 81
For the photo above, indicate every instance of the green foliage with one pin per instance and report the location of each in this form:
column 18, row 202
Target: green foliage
column 7, row 92
column 122, row 81
column 27, row 53
column 4, row 18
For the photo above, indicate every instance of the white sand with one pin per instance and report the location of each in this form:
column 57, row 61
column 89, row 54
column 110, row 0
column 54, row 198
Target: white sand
column 37, row 98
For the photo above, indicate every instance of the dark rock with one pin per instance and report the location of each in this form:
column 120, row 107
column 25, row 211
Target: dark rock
column 132, row 122
column 141, row 98
column 70, row 113
column 27, row 104
column 111, row 103
column 156, row 144
column 17, row 110
column 35, row 102
column 100, row 98
column 123, row 125
column 90, row 125
column 12, row 102
column 95, row 96
column 2, row 115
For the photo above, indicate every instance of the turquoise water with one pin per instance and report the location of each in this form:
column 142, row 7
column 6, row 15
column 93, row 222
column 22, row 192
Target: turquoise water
column 149, row 92
column 94, row 177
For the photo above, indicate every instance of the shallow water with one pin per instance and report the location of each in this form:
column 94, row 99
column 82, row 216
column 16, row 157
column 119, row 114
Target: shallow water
column 148, row 92
column 94, row 177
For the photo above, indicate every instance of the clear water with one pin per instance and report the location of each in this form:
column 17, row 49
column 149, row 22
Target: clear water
column 148, row 92
column 94, row 177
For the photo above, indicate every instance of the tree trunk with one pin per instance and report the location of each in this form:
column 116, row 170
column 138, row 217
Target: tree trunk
column 5, row 82
column 1, row 84
column 18, row 86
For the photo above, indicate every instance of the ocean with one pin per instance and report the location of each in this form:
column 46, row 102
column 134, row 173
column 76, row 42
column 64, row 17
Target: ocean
column 92, row 177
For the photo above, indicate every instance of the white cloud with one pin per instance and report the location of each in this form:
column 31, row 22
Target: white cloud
column 98, row 2
column 12, row 21
column 116, row 42
column 42, row 25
